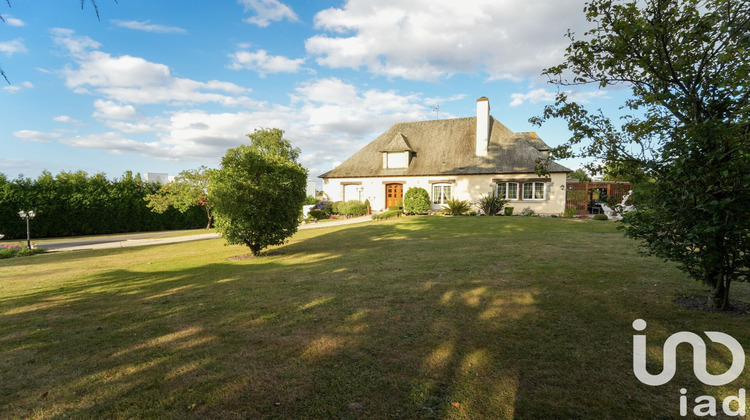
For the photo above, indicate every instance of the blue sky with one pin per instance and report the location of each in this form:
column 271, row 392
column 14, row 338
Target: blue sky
column 163, row 86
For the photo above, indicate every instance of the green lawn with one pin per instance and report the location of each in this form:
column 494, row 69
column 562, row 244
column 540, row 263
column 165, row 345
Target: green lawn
column 420, row 317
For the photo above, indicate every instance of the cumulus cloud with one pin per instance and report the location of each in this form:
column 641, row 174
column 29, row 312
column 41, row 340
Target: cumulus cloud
column 433, row 39
column 129, row 79
column 19, row 87
column 32, row 136
column 116, row 143
column 13, row 47
column 267, row 11
column 12, row 21
column 329, row 119
column 543, row 95
column 111, row 110
column 147, row 26
column 263, row 63
column 66, row 119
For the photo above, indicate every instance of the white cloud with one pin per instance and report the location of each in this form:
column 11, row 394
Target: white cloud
column 78, row 46
column 263, row 63
column 267, row 11
column 129, row 79
column 542, row 95
column 66, row 119
column 534, row 96
column 433, row 39
column 12, row 21
column 19, row 87
column 13, row 47
column 147, row 26
column 328, row 119
column 116, row 143
column 31, row 136
column 111, row 110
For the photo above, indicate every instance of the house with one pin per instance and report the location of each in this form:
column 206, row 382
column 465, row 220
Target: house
column 463, row 158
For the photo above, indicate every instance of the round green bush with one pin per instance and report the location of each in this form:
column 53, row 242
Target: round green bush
column 416, row 201
column 601, row 217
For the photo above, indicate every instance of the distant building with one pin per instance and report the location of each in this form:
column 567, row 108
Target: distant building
column 311, row 187
column 156, row 178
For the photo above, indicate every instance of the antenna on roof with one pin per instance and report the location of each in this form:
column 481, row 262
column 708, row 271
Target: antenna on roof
column 436, row 108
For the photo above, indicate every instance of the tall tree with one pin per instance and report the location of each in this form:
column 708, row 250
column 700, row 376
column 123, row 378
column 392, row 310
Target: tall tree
column 189, row 188
column 259, row 191
column 580, row 174
column 686, row 64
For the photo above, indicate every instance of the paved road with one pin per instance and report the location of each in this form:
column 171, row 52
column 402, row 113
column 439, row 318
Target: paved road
column 156, row 238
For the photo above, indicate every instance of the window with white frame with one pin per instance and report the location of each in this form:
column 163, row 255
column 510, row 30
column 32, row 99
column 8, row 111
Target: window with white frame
column 352, row 192
column 398, row 160
column 534, row 191
column 441, row 193
column 509, row 190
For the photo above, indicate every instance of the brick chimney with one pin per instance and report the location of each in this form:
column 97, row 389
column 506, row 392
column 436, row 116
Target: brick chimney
column 483, row 126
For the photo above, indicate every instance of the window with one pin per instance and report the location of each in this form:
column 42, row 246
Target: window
column 352, row 192
column 398, row 160
column 508, row 189
column 533, row 190
column 441, row 193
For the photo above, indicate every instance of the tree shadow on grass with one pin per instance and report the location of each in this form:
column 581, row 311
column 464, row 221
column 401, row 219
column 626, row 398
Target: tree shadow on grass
column 406, row 320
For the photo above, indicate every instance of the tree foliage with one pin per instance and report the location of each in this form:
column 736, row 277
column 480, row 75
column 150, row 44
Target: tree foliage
column 416, row 201
column 580, row 174
column 259, row 191
column 75, row 203
column 688, row 125
column 271, row 141
column 189, row 189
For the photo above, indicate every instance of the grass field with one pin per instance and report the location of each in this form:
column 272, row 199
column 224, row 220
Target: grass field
column 421, row 317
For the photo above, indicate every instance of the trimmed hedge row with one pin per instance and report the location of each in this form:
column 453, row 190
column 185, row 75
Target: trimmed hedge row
column 74, row 203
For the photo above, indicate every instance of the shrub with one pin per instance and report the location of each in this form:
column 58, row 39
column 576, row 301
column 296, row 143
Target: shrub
column 416, row 201
column 472, row 213
column 310, row 200
column 569, row 212
column 509, row 211
column 601, row 217
column 396, row 208
column 317, row 214
column 367, row 202
column 527, row 212
column 352, row 208
column 10, row 251
column 390, row 214
column 492, row 204
column 336, row 207
column 456, row 207
column 321, row 204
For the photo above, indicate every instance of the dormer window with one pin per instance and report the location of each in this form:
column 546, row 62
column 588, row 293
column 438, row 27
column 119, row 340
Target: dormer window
column 397, row 159
column 397, row 154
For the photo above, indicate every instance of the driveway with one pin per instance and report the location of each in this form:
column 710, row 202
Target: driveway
column 157, row 238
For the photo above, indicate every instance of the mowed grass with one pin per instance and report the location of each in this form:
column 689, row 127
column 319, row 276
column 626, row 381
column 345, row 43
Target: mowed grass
column 421, row 317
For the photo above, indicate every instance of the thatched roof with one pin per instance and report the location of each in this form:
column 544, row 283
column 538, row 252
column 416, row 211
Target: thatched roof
column 399, row 143
column 447, row 147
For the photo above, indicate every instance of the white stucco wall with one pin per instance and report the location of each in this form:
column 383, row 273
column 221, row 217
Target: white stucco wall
column 466, row 187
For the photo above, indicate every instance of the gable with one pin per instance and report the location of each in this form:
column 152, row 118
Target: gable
column 447, row 147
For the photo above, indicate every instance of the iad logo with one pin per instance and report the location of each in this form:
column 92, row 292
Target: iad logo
column 708, row 406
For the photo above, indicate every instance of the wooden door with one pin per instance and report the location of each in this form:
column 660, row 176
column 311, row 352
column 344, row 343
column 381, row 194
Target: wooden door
column 393, row 193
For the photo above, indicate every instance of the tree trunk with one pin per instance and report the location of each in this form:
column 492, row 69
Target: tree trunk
column 718, row 299
column 210, row 219
column 255, row 250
